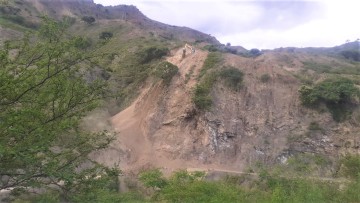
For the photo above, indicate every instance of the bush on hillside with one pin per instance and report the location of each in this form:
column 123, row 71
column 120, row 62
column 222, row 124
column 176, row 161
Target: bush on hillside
column 211, row 48
column 166, row 71
column 255, row 52
column 265, row 78
column 233, row 77
column 336, row 93
column 88, row 19
column 106, row 35
column 152, row 53
column 82, row 42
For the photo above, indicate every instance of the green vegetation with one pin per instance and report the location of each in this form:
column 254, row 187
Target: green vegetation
column 351, row 54
column 336, row 93
column 232, row 77
column 212, row 61
column 317, row 67
column 88, row 19
column 202, row 98
column 211, row 48
column 305, row 164
column 350, row 166
column 153, row 179
column 332, row 67
column 131, row 59
column 185, row 186
column 105, row 35
column 264, row 78
column 151, row 53
column 12, row 14
column 44, row 95
column 254, row 52
column 166, row 71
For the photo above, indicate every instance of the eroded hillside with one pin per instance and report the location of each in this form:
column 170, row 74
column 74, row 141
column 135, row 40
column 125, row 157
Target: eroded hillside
column 261, row 123
column 158, row 125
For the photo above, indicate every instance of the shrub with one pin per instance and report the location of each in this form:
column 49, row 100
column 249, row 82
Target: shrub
column 166, row 71
column 254, row 52
column 335, row 93
column 151, row 53
column 82, row 42
column 106, row 35
column 88, row 19
column 265, row 78
column 153, row 178
column 233, row 77
column 211, row 48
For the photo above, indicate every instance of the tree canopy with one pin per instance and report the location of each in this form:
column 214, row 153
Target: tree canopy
column 44, row 94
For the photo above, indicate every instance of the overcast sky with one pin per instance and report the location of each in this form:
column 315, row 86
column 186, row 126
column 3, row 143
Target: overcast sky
column 260, row 24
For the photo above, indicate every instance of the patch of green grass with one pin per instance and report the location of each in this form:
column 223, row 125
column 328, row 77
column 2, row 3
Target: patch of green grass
column 350, row 166
column 8, row 24
column 333, row 67
column 202, row 98
column 213, row 60
column 305, row 77
column 184, row 186
column 317, row 67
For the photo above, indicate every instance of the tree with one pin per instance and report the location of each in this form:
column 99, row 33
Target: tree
column 88, row 19
column 254, row 52
column 44, row 95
